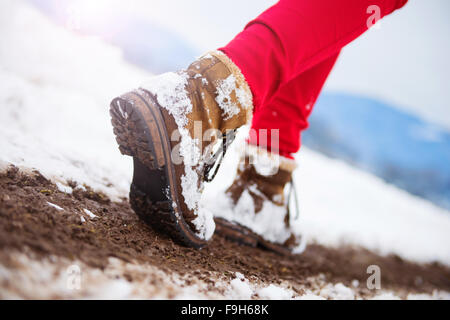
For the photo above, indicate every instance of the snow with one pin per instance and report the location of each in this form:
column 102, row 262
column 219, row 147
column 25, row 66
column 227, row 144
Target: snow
column 311, row 296
column 437, row 295
column 89, row 213
column 240, row 289
column 63, row 188
column 264, row 162
column 224, row 90
column 386, row 296
column 54, row 277
column 55, row 90
column 355, row 283
column 55, row 118
column 273, row 292
column 118, row 289
column 337, row 292
column 172, row 94
column 55, row 206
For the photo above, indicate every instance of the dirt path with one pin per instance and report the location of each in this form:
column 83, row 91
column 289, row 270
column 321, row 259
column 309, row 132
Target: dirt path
column 28, row 223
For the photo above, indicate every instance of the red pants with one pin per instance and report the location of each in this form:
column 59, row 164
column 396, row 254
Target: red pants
column 287, row 53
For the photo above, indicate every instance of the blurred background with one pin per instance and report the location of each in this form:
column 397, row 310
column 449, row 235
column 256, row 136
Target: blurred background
column 385, row 106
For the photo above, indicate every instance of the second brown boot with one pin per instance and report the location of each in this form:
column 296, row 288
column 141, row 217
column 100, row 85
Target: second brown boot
column 258, row 213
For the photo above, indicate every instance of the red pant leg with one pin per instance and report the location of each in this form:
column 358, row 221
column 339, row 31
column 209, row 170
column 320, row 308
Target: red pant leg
column 294, row 35
column 288, row 111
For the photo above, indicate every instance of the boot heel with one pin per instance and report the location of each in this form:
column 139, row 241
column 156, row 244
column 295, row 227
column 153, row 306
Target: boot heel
column 130, row 130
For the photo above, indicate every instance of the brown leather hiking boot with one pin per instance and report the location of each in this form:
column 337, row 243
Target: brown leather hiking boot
column 259, row 209
column 170, row 127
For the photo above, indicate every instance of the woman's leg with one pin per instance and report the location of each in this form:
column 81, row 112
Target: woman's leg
column 288, row 111
column 257, row 193
column 295, row 35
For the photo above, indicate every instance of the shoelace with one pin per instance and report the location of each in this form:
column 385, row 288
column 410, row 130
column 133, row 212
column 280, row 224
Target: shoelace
column 227, row 139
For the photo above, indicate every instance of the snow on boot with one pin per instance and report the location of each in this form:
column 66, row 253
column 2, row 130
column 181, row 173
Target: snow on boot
column 170, row 126
column 259, row 213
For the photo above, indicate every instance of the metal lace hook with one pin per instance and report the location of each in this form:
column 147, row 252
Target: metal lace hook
column 293, row 188
column 227, row 139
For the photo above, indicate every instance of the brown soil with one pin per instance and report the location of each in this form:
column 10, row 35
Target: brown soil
column 27, row 222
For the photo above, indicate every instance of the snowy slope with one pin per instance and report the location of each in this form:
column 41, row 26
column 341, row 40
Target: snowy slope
column 55, row 89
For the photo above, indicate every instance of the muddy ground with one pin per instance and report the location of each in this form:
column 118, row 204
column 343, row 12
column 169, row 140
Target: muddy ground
column 30, row 225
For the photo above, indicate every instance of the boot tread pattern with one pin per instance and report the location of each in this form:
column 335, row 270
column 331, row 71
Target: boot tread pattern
column 134, row 139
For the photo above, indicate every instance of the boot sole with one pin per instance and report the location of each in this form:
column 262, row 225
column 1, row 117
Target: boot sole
column 141, row 133
column 243, row 235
